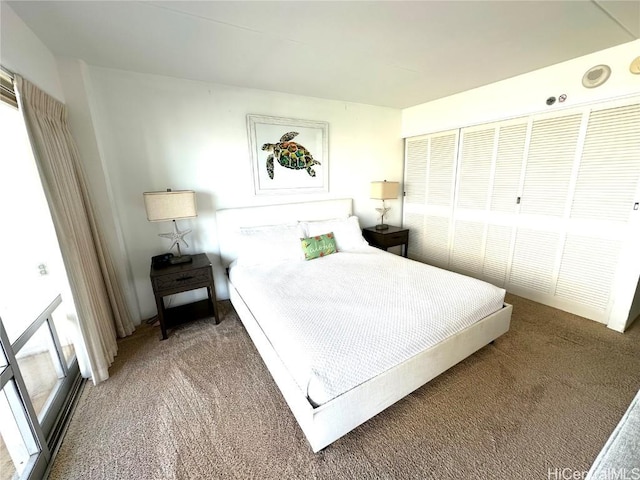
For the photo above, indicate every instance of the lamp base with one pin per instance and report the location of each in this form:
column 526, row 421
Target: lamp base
column 382, row 226
column 180, row 259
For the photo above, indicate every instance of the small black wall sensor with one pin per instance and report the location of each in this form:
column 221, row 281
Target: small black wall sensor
column 551, row 100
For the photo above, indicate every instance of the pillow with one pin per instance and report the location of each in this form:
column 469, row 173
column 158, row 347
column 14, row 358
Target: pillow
column 347, row 232
column 318, row 246
column 269, row 244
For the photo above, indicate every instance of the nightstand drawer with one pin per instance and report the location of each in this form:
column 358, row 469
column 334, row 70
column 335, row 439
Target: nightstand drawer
column 398, row 238
column 182, row 279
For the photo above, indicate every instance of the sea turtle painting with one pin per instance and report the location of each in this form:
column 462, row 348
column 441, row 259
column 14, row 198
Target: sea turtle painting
column 290, row 155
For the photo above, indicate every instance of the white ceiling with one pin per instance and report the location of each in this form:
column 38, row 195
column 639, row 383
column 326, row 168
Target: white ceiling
column 388, row 53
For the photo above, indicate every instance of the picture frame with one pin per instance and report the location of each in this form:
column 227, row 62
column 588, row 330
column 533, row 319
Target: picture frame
column 297, row 164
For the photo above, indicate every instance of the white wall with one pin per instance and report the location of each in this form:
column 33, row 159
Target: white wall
column 527, row 94
column 159, row 132
column 23, row 53
column 79, row 98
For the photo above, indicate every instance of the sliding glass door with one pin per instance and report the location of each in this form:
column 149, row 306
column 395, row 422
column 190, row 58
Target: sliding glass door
column 38, row 321
column 23, row 451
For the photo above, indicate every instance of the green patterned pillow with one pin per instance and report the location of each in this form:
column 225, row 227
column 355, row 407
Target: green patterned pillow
column 318, row 246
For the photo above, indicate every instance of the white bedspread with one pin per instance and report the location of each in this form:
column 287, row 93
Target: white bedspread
column 340, row 320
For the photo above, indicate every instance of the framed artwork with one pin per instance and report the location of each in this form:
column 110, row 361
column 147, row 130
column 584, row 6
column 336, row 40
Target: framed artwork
column 288, row 155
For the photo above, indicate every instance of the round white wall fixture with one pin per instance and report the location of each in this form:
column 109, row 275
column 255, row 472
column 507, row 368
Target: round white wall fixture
column 635, row 66
column 596, row 76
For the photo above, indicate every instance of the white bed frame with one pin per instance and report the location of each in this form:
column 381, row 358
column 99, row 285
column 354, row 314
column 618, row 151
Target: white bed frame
column 324, row 424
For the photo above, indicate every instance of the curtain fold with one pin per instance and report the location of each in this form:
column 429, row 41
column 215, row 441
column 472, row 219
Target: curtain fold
column 102, row 311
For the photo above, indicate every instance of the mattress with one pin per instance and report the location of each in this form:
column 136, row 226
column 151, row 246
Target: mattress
column 340, row 320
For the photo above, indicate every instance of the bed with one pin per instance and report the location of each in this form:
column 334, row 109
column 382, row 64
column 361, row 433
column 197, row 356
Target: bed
column 350, row 333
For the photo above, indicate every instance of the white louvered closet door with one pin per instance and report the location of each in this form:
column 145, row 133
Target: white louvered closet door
column 475, row 165
column 415, row 189
column 551, row 160
column 582, row 175
column 489, row 177
column 546, row 206
column 429, row 185
column 504, row 208
column 610, row 166
column 598, row 235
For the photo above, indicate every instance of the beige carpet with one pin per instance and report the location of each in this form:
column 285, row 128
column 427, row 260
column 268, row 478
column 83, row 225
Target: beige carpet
column 202, row 405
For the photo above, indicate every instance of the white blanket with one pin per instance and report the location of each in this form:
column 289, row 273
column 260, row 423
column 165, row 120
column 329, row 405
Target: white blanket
column 340, row 320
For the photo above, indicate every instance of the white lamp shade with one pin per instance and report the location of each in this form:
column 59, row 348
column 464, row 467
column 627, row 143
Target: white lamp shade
column 165, row 206
column 384, row 190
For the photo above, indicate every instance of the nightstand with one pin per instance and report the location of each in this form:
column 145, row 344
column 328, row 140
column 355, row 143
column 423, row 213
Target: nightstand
column 182, row 278
column 390, row 237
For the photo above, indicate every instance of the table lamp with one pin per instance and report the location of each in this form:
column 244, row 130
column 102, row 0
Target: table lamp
column 172, row 206
column 383, row 191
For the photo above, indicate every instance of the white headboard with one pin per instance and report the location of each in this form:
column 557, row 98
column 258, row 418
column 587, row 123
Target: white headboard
column 230, row 220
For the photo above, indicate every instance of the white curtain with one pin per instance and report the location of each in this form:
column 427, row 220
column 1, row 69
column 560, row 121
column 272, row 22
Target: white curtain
column 102, row 311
